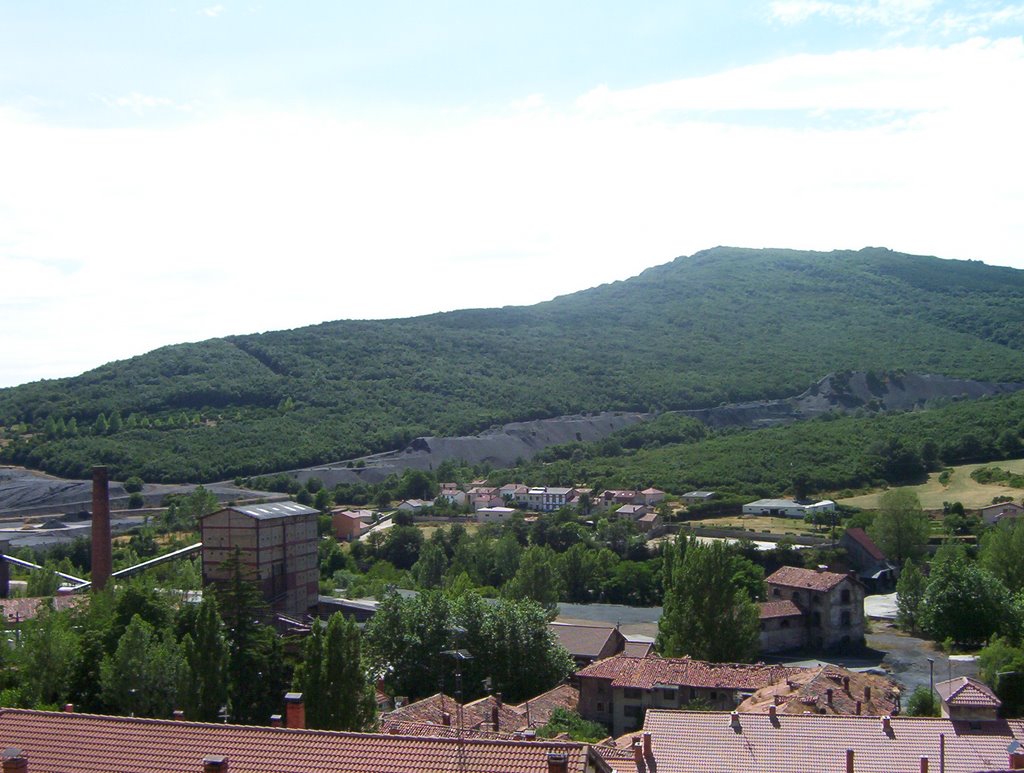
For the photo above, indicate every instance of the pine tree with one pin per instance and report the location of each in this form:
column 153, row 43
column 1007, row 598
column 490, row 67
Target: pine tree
column 348, row 696
column 206, row 688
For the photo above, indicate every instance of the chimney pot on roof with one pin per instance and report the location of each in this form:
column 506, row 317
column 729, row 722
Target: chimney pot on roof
column 638, row 751
column 858, row 708
column 558, row 763
column 828, row 696
column 821, row 568
column 215, row 763
column 446, row 719
column 734, row 719
column 867, row 693
column 886, row 723
column 494, row 717
column 530, row 734
column 14, row 761
column 924, row 765
column 294, row 710
column 849, row 761
column 846, row 683
column 1016, row 761
column 69, row 708
column 178, row 714
column 648, row 748
column 275, row 720
column 497, row 698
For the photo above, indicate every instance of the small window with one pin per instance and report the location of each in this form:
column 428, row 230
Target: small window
column 714, row 695
column 693, row 694
column 844, row 597
column 631, row 693
column 784, row 623
column 600, row 706
column 816, row 618
column 668, row 694
column 846, row 619
column 776, row 592
column 796, row 596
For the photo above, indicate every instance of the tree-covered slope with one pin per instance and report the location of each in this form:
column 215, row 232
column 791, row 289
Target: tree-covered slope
column 722, row 325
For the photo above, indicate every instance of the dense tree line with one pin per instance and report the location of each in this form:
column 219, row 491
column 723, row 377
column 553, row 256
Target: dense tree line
column 721, row 326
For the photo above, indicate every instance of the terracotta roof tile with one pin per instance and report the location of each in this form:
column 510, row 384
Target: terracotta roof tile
column 83, row 743
column 861, row 537
column 645, row 673
column 18, row 610
column 709, row 742
column 772, row 609
column 809, row 692
column 806, row 579
column 538, row 710
column 965, row 691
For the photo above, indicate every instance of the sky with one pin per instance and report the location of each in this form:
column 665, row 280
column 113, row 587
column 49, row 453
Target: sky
column 172, row 172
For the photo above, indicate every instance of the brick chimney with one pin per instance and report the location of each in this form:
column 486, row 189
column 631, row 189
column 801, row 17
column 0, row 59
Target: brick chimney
column 867, row 693
column 102, row 559
column 849, row 761
column 846, row 684
column 886, row 724
column 275, row 720
column 494, row 717
column 924, row 765
column 558, row 763
column 828, row 696
column 638, row 751
column 1016, row 761
column 446, row 719
column 178, row 715
column 773, row 712
column 14, row 761
column 858, row 708
column 215, row 763
column 69, row 708
column 648, row 748
column 294, row 710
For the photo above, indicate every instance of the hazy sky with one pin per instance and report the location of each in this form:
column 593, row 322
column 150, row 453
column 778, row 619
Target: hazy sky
column 172, row 172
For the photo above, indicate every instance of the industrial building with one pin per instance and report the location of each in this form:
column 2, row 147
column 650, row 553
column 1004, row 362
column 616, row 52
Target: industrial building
column 277, row 546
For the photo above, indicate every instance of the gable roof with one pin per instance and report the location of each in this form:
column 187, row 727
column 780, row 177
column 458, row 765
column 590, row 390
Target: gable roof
column 645, row 673
column 84, row 743
column 861, row 537
column 585, row 641
column 805, row 579
column 702, row 742
column 965, row 691
column 538, row 710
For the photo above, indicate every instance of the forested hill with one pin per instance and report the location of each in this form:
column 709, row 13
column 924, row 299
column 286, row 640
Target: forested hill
column 722, row 325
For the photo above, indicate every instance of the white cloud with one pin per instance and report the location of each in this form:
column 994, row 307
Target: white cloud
column 904, row 16
column 143, row 103
column 213, row 11
column 121, row 240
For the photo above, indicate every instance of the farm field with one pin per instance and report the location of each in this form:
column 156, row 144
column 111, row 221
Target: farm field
column 759, row 523
column 960, row 488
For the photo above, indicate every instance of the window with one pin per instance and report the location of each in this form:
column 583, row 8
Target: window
column 763, row 626
column 796, row 597
column 784, row 624
column 668, row 694
column 634, row 712
column 600, row 706
column 693, row 694
column 776, row 592
column 816, row 601
column 846, row 619
column 714, row 695
column 844, row 597
column 632, row 693
column 816, row 618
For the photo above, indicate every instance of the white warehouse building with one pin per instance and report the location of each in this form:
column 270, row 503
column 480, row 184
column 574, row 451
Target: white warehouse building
column 788, row 508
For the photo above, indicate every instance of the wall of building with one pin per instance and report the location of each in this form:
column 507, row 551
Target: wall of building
column 779, row 634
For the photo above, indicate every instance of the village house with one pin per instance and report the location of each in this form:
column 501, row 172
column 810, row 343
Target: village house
column 453, row 496
column 697, row 497
column 547, row 499
column 968, row 699
column 617, row 691
column 649, row 521
column 413, row 505
column 873, row 568
column 830, row 606
column 788, row 508
column 350, row 524
column 483, row 496
column 773, row 742
column 67, row 742
column 495, row 514
column 653, row 496
column 1000, row 511
column 587, row 643
column 617, row 497
column 633, row 512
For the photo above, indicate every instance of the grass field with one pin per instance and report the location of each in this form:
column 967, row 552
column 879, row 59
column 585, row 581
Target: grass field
column 759, row 523
column 960, row 488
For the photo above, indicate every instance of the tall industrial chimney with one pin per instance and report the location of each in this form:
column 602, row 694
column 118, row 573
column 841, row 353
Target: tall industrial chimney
column 102, row 559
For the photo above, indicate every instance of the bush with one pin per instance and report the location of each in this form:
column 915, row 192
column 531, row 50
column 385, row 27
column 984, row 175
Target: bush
column 922, row 703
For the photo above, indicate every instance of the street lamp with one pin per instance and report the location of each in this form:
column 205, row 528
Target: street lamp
column 931, row 684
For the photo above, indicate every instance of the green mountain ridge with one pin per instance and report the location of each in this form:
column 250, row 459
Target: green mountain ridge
column 723, row 325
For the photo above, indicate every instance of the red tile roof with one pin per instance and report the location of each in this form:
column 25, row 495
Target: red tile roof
column 861, row 537
column 645, row 673
column 538, row 710
column 805, row 579
column 82, row 743
column 772, row 609
column 476, row 715
column 709, row 742
column 482, row 713
column 965, row 691
column 810, row 692
column 18, row 610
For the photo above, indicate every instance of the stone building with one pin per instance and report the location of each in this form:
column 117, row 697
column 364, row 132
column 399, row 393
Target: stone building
column 831, row 607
